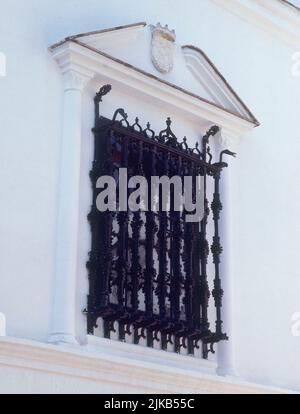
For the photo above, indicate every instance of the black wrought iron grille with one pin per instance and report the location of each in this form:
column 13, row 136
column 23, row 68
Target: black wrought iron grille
column 148, row 270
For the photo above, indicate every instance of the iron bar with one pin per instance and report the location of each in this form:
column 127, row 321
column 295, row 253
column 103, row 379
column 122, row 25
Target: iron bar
column 149, row 271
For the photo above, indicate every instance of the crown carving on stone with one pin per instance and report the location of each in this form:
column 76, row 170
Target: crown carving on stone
column 164, row 31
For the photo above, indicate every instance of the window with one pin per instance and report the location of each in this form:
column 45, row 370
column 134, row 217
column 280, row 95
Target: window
column 148, row 268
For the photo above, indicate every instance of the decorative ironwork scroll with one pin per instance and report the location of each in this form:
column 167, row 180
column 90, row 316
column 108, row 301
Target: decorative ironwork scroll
column 148, row 274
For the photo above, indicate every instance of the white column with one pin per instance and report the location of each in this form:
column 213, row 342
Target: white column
column 2, row 325
column 64, row 306
column 226, row 348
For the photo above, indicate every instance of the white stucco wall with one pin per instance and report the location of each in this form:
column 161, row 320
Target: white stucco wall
column 266, row 194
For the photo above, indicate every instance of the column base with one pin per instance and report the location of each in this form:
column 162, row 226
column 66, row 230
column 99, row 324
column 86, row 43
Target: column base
column 60, row 338
column 226, row 372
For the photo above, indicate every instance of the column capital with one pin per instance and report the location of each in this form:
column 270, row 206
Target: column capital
column 76, row 80
column 228, row 139
column 76, row 74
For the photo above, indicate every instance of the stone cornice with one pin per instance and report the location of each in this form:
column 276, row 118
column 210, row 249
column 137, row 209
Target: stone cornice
column 277, row 17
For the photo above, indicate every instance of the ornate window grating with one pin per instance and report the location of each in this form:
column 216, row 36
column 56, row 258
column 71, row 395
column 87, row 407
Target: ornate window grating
column 148, row 270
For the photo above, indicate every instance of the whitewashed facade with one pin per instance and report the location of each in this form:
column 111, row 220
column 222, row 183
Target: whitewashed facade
column 49, row 81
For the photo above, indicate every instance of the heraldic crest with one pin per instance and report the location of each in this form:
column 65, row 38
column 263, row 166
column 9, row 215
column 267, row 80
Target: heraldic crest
column 162, row 47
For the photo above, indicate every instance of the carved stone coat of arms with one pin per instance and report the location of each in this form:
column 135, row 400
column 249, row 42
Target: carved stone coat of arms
column 162, row 48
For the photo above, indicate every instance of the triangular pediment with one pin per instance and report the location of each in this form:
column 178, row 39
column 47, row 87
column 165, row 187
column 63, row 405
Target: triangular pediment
column 192, row 71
